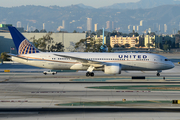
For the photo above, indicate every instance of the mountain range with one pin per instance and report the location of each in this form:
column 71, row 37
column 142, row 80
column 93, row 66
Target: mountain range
column 74, row 17
column 143, row 4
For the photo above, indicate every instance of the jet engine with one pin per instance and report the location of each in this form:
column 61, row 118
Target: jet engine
column 112, row 68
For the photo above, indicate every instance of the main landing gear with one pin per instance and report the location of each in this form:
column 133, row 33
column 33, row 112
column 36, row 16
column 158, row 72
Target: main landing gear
column 89, row 74
column 90, row 71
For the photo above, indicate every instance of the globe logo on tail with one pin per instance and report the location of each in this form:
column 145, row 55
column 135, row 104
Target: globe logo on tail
column 27, row 48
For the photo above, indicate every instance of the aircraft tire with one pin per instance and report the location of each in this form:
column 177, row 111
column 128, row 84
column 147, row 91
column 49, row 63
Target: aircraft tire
column 158, row 74
column 87, row 74
column 92, row 74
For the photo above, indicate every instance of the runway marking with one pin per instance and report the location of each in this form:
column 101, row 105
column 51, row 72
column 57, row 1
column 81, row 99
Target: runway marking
column 13, row 101
column 26, row 101
column 141, row 87
column 116, row 103
column 133, row 91
column 43, row 102
column 18, row 113
column 66, row 77
column 123, row 78
column 50, row 92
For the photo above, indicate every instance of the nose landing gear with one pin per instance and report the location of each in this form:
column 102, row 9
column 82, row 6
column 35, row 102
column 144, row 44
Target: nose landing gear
column 158, row 73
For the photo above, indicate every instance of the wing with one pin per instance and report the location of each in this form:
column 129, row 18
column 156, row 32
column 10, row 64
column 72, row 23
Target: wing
column 84, row 61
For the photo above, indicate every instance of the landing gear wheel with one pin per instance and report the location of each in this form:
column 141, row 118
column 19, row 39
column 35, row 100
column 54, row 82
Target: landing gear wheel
column 92, row 74
column 158, row 74
column 87, row 74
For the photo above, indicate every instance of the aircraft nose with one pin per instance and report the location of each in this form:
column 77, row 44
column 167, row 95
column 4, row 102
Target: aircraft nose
column 172, row 65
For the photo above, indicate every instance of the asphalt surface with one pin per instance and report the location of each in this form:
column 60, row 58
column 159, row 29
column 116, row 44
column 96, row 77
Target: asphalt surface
column 31, row 95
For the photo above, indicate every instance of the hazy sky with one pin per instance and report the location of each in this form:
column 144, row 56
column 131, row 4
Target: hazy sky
column 93, row 3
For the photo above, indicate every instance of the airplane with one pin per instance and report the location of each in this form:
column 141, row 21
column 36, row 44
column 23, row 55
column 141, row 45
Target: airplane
column 109, row 63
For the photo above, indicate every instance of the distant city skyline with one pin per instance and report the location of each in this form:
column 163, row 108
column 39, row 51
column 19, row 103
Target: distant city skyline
column 62, row 3
column 72, row 18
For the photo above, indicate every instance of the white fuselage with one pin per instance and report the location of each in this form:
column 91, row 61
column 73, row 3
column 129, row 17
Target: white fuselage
column 129, row 61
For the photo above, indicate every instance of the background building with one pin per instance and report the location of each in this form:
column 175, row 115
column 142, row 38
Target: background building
column 89, row 24
column 132, row 41
column 99, row 40
column 18, row 24
column 141, row 23
column 6, row 41
column 112, row 25
column 165, row 28
column 158, row 40
column 149, row 41
column 96, row 39
column 4, row 28
column 95, row 27
column 107, row 24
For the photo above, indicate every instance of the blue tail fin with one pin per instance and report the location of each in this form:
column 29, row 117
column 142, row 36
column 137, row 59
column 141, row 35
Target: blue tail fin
column 22, row 44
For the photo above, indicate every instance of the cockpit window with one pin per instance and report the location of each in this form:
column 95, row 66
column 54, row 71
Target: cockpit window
column 166, row 60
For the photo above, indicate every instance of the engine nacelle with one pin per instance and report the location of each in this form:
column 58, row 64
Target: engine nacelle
column 112, row 68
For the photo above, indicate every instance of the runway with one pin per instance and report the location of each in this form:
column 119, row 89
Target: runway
column 39, row 101
column 72, row 96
